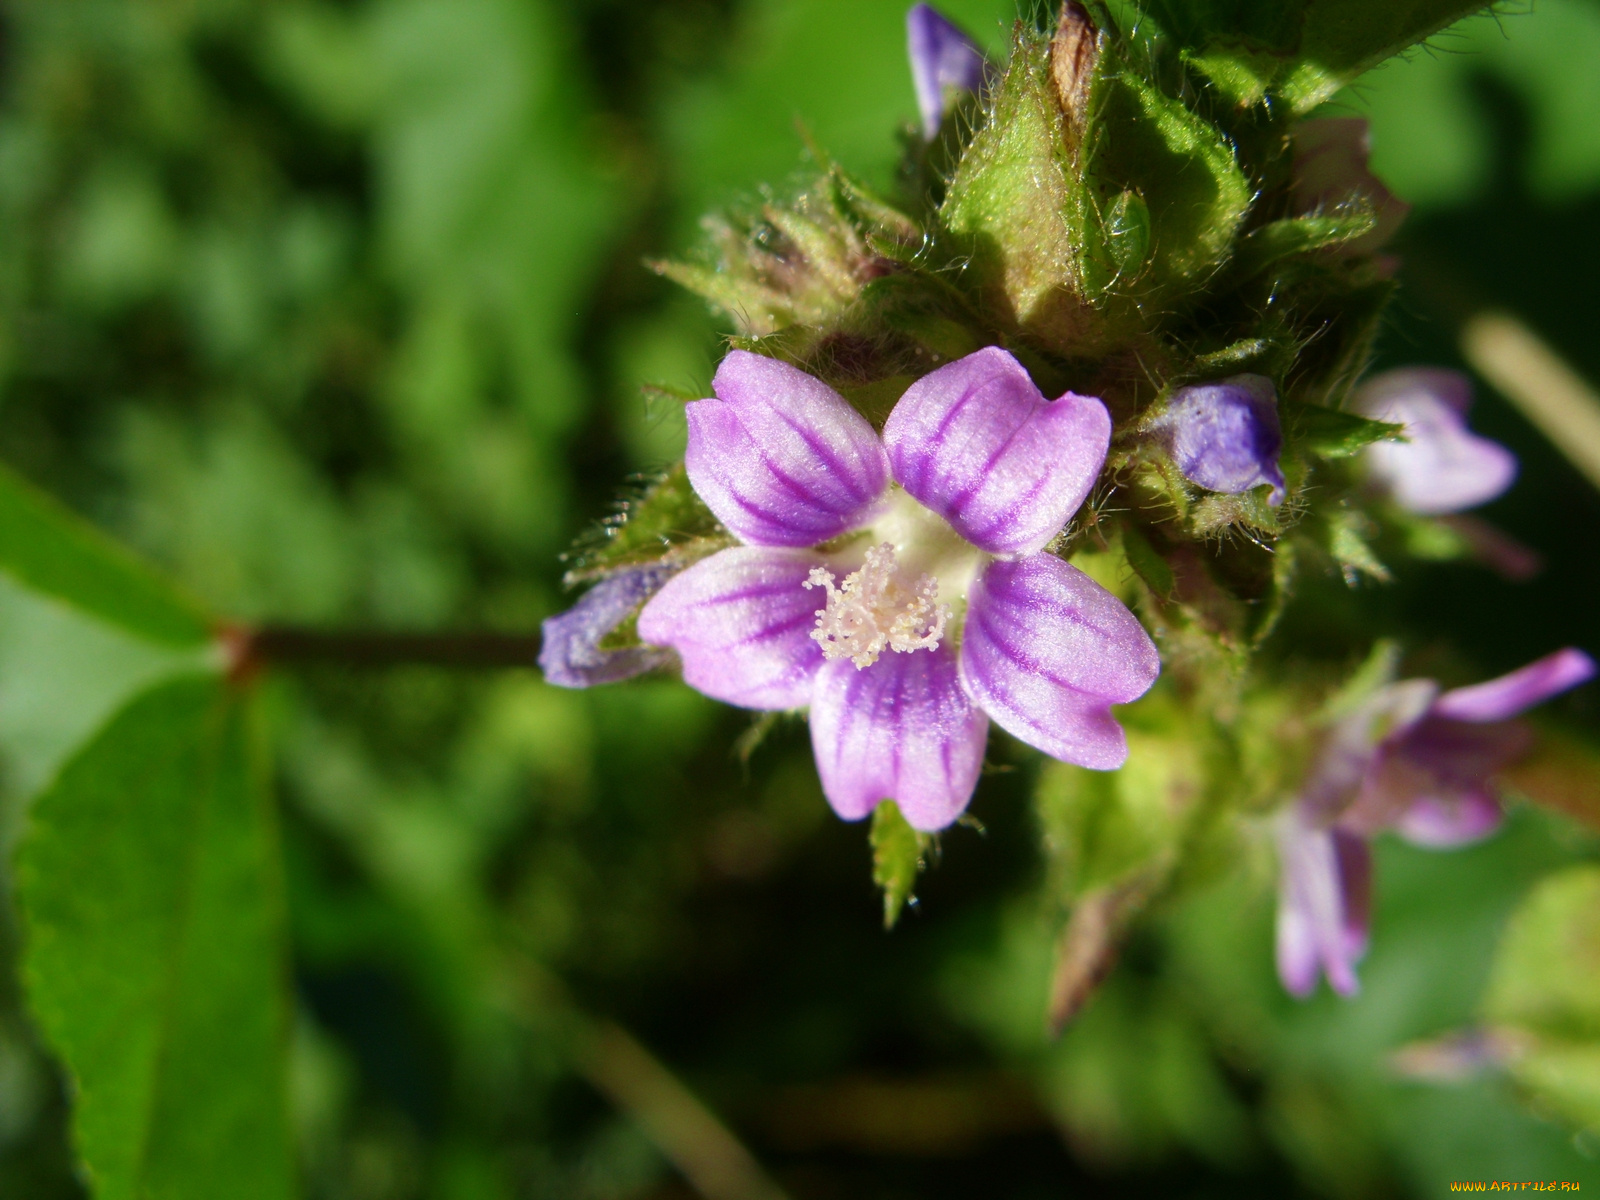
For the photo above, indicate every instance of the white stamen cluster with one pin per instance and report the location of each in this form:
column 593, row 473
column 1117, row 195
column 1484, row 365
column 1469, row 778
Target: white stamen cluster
column 873, row 611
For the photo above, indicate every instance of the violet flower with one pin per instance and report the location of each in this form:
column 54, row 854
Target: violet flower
column 944, row 62
column 1412, row 759
column 570, row 653
column 1442, row 466
column 1330, row 174
column 1225, row 435
column 867, row 560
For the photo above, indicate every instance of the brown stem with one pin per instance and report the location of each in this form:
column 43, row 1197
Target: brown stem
column 277, row 645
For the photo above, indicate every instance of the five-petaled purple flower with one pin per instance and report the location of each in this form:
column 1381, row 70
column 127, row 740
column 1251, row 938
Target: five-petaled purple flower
column 1225, row 435
column 866, row 560
column 1442, row 466
column 944, row 60
column 1409, row 758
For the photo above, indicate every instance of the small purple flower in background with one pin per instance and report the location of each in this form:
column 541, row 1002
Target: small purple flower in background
column 1225, row 435
column 570, row 653
column 944, row 60
column 1331, row 173
column 867, row 560
column 1412, row 759
column 1442, row 467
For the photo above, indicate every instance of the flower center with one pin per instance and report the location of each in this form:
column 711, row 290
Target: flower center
column 875, row 610
column 891, row 602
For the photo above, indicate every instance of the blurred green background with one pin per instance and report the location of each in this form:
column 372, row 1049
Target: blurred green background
column 336, row 310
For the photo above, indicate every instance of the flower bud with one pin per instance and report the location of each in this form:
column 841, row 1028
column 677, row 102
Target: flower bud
column 943, row 60
column 1225, row 435
column 571, row 654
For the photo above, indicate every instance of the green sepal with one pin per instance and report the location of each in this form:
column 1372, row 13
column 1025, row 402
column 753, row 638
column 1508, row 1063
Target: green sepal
column 899, row 853
column 1277, row 240
column 1347, row 535
column 802, row 261
column 46, row 547
column 666, row 519
column 1330, row 433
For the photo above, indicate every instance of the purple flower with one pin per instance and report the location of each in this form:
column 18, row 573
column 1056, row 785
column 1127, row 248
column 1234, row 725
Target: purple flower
column 1411, row 759
column 944, row 60
column 1330, row 174
column 867, row 560
column 1225, row 435
column 1442, row 466
column 570, row 653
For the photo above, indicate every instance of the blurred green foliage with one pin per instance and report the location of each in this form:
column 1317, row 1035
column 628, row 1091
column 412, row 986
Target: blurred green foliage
column 336, row 311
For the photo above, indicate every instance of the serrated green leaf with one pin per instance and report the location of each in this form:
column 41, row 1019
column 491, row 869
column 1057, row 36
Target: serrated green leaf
column 897, row 858
column 51, row 550
column 153, row 907
column 1333, row 434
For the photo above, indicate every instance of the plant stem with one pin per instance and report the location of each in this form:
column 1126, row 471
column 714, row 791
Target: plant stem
column 283, row 645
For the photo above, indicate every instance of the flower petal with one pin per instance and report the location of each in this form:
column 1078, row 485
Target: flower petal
column 741, row 621
column 1498, row 699
column 979, row 444
column 942, row 58
column 1442, row 821
column 1046, row 651
column 1443, row 466
column 780, row 457
column 1323, row 905
column 901, row 729
column 570, row 654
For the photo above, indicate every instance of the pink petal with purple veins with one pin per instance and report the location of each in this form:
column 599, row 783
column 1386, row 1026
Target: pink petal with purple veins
column 1323, row 905
column 1442, row 466
column 741, row 621
column 1442, row 821
column 1046, row 651
column 781, row 458
column 901, row 729
column 977, row 442
column 1498, row 699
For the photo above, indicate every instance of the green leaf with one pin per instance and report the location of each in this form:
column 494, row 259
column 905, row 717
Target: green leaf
column 1546, row 976
column 1300, row 50
column 897, row 858
column 49, row 549
column 1544, row 991
column 155, row 965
